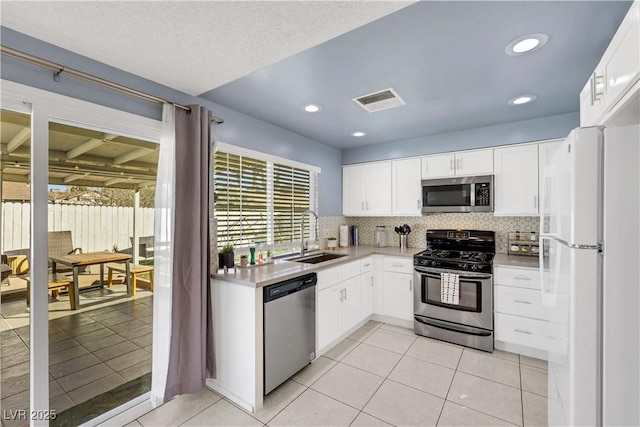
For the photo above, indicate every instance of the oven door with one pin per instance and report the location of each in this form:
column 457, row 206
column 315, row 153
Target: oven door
column 476, row 297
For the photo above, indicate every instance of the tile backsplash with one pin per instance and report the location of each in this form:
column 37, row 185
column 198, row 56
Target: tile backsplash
column 502, row 225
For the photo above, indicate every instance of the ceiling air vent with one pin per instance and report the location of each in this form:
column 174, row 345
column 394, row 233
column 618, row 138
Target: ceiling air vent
column 381, row 100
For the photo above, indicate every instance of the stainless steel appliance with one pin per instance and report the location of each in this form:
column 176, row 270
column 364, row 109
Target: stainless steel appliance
column 468, row 255
column 289, row 328
column 462, row 194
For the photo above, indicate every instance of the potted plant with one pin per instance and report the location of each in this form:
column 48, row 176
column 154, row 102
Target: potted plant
column 332, row 242
column 244, row 260
column 226, row 257
column 269, row 255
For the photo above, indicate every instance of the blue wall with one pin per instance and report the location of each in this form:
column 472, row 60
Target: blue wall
column 510, row 133
column 238, row 129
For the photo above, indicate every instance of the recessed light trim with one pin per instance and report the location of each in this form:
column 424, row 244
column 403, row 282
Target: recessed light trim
column 358, row 134
column 526, row 44
column 311, row 108
column 522, row 99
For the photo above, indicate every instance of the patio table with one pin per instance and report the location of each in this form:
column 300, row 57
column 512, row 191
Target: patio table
column 75, row 261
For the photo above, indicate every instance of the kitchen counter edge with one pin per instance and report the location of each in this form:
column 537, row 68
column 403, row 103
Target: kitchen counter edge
column 280, row 270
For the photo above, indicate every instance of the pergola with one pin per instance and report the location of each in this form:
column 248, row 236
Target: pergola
column 79, row 157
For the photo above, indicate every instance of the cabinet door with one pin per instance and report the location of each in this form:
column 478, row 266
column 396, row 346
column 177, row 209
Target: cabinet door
column 623, row 66
column 477, row 162
column 438, row 166
column 353, row 190
column 398, row 295
column 406, row 187
column 328, row 315
column 366, row 295
column 516, row 180
column 350, row 307
column 378, row 200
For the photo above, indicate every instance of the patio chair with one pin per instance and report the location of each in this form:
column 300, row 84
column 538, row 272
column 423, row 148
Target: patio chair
column 5, row 270
column 17, row 260
column 145, row 246
column 61, row 243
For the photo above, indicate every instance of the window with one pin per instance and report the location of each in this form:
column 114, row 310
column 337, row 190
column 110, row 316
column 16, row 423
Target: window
column 261, row 199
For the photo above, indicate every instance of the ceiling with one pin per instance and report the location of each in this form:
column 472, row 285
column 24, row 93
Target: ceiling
column 267, row 59
column 191, row 46
column 77, row 156
column 446, row 60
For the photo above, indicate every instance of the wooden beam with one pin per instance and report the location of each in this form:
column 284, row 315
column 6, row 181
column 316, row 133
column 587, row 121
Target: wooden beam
column 19, row 139
column 88, row 146
column 114, row 181
column 132, row 156
column 74, row 177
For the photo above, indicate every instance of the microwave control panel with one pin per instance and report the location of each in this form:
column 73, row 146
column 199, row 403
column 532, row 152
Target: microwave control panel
column 483, row 194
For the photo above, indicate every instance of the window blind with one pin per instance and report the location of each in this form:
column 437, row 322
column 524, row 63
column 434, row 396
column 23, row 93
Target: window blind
column 261, row 201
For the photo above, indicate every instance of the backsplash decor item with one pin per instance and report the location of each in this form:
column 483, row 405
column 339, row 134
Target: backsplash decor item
column 332, row 242
column 344, row 236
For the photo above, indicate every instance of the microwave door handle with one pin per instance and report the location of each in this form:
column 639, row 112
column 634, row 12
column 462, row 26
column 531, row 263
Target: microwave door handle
column 473, row 194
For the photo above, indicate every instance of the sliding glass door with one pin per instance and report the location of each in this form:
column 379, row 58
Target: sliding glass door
column 77, row 336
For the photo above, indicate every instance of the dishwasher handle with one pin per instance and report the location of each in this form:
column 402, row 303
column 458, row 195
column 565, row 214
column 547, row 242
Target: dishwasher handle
column 282, row 289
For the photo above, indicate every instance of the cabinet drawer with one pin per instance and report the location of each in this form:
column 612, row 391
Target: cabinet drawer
column 518, row 277
column 521, row 331
column 365, row 265
column 519, row 302
column 328, row 277
column 347, row 271
column 399, row 265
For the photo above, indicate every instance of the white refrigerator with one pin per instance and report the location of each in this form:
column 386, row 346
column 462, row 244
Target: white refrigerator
column 590, row 286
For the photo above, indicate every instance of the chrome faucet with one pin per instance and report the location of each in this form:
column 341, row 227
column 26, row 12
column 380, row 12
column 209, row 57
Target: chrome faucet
column 304, row 214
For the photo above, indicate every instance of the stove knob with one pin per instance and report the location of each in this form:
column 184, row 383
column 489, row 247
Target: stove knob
column 474, row 267
column 464, row 266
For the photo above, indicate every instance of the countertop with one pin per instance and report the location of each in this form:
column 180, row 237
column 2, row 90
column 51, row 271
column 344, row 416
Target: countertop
column 282, row 269
column 504, row 260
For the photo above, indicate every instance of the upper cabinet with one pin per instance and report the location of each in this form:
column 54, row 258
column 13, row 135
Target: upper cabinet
column 546, row 150
column 617, row 72
column 406, row 187
column 464, row 163
column 516, row 180
column 366, row 189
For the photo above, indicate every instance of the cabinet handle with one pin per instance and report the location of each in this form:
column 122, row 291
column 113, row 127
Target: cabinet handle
column 451, row 164
column 363, row 206
column 342, row 295
column 522, row 302
column 366, row 265
column 367, row 203
column 595, row 80
column 419, row 204
column 411, row 285
column 535, row 201
column 522, row 278
column 346, row 297
column 371, row 280
column 395, row 264
column 520, row 331
column 459, row 167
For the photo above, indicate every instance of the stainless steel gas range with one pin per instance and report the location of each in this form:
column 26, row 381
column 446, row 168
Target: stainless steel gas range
column 453, row 296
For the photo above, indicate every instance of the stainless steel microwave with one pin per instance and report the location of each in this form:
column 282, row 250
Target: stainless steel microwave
column 460, row 194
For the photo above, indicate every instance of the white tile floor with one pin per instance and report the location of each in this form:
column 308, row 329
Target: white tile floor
column 384, row 375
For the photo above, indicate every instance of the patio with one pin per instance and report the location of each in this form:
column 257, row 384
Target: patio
column 105, row 344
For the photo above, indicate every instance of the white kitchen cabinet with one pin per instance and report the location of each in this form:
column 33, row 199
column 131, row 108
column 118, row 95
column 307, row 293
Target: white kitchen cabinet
column 617, row 72
column 406, row 187
column 366, row 189
column 350, row 307
column 398, row 288
column 520, row 319
column 516, row 180
column 328, row 315
column 438, row 166
column 366, row 295
column 464, row 163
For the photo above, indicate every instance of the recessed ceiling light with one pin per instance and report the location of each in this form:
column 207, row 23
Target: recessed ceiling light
column 526, row 44
column 523, row 99
column 311, row 108
column 358, row 134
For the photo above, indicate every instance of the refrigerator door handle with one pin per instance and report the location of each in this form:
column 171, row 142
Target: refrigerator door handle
column 548, row 294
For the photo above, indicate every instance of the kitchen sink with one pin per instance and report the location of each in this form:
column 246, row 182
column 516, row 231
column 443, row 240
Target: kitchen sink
column 316, row 258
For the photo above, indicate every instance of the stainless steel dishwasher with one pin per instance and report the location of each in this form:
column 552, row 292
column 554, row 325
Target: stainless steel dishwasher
column 289, row 328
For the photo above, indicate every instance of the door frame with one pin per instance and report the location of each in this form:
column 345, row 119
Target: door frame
column 45, row 107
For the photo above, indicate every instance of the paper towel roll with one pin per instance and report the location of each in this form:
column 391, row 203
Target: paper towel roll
column 344, row 236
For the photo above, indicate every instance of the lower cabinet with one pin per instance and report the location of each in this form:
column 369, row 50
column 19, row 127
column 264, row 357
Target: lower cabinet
column 398, row 288
column 366, row 295
column 519, row 316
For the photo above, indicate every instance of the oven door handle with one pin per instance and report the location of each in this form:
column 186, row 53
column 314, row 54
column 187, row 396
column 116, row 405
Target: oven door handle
column 435, row 273
column 457, row 328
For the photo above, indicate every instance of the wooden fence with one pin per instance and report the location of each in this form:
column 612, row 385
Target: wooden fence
column 94, row 228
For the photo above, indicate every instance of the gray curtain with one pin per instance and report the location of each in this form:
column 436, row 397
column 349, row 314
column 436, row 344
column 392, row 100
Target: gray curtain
column 191, row 348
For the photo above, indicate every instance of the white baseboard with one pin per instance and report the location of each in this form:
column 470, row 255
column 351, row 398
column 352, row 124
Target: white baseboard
column 213, row 385
column 520, row 349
